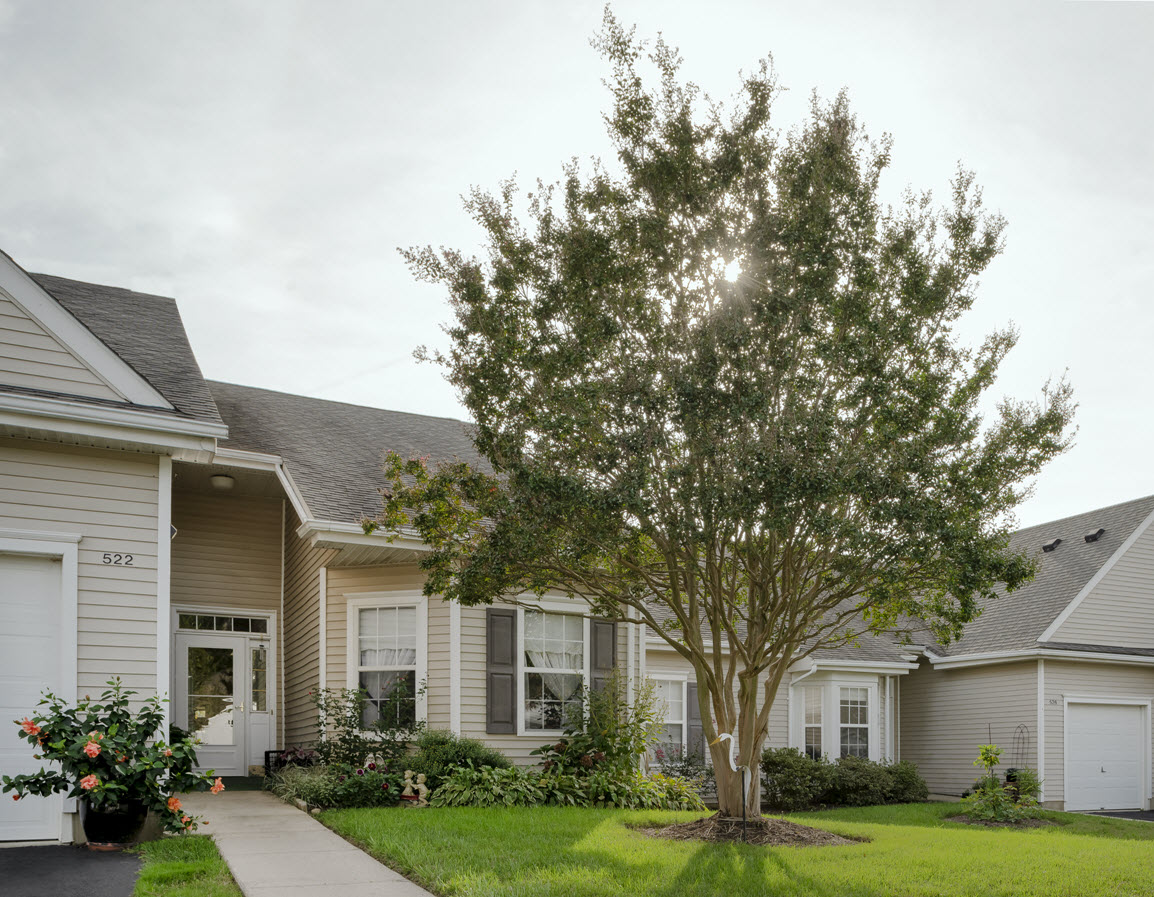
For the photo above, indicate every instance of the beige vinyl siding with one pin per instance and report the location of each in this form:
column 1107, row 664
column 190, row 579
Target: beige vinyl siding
column 228, row 553
column 1063, row 678
column 31, row 357
column 110, row 499
column 300, row 633
column 947, row 714
column 1119, row 611
column 354, row 581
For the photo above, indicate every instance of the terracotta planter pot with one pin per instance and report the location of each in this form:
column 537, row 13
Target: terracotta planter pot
column 113, row 827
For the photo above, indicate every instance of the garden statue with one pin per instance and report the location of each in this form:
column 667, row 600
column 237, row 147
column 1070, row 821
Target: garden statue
column 417, row 794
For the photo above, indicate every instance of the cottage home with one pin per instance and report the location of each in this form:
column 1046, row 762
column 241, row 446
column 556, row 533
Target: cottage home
column 202, row 540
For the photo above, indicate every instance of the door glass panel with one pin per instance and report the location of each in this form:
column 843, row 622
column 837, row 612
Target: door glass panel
column 210, row 694
column 260, row 679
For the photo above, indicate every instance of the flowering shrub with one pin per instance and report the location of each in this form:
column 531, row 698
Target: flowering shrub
column 339, row 785
column 108, row 755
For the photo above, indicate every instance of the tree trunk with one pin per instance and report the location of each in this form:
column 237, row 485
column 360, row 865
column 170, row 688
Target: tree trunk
column 750, row 741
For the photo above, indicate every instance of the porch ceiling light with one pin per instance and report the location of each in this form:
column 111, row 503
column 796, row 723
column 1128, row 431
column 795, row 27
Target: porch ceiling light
column 222, row 482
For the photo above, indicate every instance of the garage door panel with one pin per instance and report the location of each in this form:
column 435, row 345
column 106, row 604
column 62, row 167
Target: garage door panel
column 1106, row 756
column 29, row 663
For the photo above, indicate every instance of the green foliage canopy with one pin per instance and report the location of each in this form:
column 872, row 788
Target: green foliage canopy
column 778, row 459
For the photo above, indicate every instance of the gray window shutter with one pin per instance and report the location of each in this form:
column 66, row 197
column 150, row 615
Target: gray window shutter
column 501, row 671
column 695, row 734
column 603, row 653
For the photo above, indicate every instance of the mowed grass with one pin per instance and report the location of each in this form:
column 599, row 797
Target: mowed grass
column 187, row 866
column 911, row 851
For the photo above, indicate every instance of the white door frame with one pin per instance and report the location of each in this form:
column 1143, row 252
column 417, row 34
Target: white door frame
column 66, row 547
column 269, row 637
column 1143, row 703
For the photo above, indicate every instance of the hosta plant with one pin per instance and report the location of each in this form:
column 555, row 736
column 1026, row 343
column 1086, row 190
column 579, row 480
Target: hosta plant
column 108, row 754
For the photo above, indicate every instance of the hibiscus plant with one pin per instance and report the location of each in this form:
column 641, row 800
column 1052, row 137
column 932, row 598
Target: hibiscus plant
column 110, row 755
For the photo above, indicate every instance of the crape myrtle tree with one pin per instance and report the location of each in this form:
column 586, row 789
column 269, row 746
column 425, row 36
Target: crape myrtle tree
column 717, row 388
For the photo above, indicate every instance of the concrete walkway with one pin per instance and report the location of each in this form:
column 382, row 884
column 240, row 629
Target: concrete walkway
column 273, row 848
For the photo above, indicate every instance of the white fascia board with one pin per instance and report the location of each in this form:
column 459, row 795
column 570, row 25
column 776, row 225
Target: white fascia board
column 973, row 660
column 1096, row 578
column 89, row 349
column 149, row 435
column 67, row 415
column 354, row 534
column 893, row 667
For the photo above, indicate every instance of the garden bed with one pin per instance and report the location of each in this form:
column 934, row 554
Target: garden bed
column 763, row 831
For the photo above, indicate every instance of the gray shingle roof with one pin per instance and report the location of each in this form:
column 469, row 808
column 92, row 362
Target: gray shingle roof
column 146, row 332
column 334, row 451
column 1016, row 620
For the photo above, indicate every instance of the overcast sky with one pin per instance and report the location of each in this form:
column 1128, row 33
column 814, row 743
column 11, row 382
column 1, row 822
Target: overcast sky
column 261, row 162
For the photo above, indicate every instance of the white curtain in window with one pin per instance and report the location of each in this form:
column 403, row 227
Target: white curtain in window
column 555, row 642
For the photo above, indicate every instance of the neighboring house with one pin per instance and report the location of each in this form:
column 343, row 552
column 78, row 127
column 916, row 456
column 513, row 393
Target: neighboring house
column 202, row 540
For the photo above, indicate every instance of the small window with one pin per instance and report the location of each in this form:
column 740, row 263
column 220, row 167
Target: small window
column 855, row 722
column 812, row 699
column 670, row 746
column 554, row 666
column 186, row 621
column 260, row 679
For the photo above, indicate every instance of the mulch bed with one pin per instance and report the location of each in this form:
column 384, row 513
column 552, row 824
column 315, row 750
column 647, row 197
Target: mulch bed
column 766, row 832
column 989, row 823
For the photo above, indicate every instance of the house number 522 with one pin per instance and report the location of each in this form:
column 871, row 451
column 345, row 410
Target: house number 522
column 118, row 560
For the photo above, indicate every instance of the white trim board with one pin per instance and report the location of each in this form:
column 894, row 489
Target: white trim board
column 164, row 637
column 1052, row 629
column 88, row 349
column 992, row 657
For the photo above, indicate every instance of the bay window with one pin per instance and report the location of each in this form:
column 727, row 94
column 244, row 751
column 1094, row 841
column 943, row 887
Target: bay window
column 855, row 731
column 836, row 714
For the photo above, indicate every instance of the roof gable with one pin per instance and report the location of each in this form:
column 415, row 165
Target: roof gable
column 1020, row 619
column 48, row 350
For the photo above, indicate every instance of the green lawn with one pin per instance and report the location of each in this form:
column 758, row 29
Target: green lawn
column 911, row 852
column 188, row 866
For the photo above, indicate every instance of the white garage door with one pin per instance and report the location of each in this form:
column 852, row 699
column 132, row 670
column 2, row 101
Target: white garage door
column 1106, row 766
column 30, row 628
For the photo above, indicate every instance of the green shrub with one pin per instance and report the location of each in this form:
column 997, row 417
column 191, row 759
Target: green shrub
column 672, row 760
column 347, row 740
column 793, row 781
column 440, row 753
column 523, row 787
column 609, row 732
column 514, row 786
column 338, row 785
column 859, row 783
column 906, row 783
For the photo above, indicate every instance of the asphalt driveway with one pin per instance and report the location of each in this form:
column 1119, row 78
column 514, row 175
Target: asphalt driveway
column 1140, row 815
column 65, row 871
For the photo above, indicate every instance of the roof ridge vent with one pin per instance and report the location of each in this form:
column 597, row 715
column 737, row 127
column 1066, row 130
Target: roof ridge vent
column 1095, row 536
column 1050, row 546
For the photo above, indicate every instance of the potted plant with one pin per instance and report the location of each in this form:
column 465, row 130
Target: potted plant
column 111, row 758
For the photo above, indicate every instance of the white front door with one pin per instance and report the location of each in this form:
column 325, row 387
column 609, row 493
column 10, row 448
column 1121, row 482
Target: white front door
column 1106, row 767
column 30, row 646
column 223, row 689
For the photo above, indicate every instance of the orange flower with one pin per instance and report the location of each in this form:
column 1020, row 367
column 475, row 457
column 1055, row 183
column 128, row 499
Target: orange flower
column 95, row 736
column 16, row 797
column 29, row 727
column 92, row 749
column 89, row 782
column 168, row 752
column 186, row 819
column 120, row 758
column 217, row 787
column 174, row 804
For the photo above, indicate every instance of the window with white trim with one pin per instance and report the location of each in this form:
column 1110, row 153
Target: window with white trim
column 670, row 745
column 855, row 717
column 553, row 669
column 387, row 653
column 811, row 696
